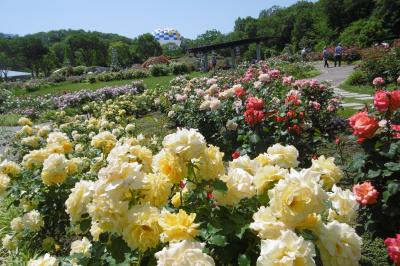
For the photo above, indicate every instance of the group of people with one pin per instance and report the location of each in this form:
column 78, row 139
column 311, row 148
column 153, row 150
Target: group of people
column 337, row 56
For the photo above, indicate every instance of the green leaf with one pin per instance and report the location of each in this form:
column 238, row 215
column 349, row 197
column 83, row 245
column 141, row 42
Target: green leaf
column 243, row 260
column 242, row 230
column 85, row 225
column 374, row 173
column 254, row 138
column 220, row 185
column 118, row 248
column 393, row 166
column 218, row 240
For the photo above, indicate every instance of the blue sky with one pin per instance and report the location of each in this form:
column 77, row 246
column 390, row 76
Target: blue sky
column 128, row 17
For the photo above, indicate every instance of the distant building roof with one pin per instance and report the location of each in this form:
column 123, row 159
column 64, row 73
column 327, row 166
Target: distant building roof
column 13, row 74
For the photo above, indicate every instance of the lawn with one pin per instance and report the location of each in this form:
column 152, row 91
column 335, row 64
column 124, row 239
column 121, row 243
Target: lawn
column 151, row 83
column 364, row 89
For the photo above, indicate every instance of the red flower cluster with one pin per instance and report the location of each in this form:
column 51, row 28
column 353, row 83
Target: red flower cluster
column 254, row 114
column 236, row 155
column 240, row 92
column 293, row 99
column 363, row 125
column 254, row 103
column 387, row 100
column 393, row 248
column 253, row 117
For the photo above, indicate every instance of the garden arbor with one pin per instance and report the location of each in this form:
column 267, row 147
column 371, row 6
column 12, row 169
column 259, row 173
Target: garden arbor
column 203, row 51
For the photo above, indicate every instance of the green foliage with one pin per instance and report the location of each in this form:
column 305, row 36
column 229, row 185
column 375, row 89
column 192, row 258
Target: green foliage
column 356, row 78
column 159, row 70
column 374, row 251
column 179, row 68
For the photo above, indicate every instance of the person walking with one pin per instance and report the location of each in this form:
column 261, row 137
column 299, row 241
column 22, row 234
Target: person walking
column 338, row 54
column 325, row 57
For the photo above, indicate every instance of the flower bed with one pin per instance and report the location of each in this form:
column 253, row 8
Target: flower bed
column 247, row 113
column 90, row 196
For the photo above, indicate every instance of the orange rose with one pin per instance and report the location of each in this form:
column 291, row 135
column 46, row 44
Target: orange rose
column 363, row 125
column 394, row 100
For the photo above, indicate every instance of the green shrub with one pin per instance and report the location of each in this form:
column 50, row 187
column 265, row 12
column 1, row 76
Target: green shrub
column 373, row 252
column 356, row 78
column 56, row 77
column 79, row 70
column 159, row 70
column 91, row 79
column 179, row 68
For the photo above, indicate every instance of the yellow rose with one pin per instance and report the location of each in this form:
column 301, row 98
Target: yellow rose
column 58, row 142
column 32, row 141
column 81, row 247
column 211, row 165
column 245, row 163
column 176, row 200
column 156, row 190
column 178, row 226
column 297, row 196
column 262, row 159
column 339, row 245
column 267, row 175
column 46, row 260
column 33, row 221
column 23, row 121
column 187, row 144
column 240, row 186
column 267, row 225
column 130, row 154
column 283, row 156
column 142, row 231
column 344, row 205
column 4, row 183
column 9, row 242
column 55, row 169
column 35, row 158
column 330, row 173
column 287, row 250
column 17, row 225
column 170, row 165
column 104, row 141
column 10, row 168
column 77, row 202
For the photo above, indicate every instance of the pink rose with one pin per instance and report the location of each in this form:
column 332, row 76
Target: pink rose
column 365, row 193
column 381, row 101
column 378, row 81
column 363, row 125
column 393, row 248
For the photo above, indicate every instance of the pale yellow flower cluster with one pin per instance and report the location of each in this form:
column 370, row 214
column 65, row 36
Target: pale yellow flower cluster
column 82, row 246
column 298, row 201
column 45, row 260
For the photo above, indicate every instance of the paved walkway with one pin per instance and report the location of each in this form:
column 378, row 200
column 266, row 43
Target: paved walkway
column 337, row 75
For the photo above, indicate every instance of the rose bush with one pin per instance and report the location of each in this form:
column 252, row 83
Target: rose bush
column 377, row 168
column 250, row 109
column 91, row 193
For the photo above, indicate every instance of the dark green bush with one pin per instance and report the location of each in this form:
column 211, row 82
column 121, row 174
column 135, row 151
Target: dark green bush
column 159, row 70
column 179, row 68
column 356, row 78
column 79, row 70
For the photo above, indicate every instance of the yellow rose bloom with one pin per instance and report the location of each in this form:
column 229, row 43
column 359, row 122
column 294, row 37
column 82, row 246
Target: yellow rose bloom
column 170, row 165
column 81, row 247
column 188, row 144
column 44, row 131
column 262, row 159
column 142, row 231
column 46, row 260
column 178, row 226
column 128, row 153
column 211, row 165
column 17, row 224
column 266, row 225
column 330, row 173
column 58, row 142
column 283, row 156
column 344, row 205
column 266, row 175
column 23, row 121
column 297, row 196
column 4, row 183
column 10, row 168
column 104, row 141
column 240, row 186
column 26, row 130
column 176, row 200
column 245, row 163
column 33, row 221
column 35, row 158
column 156, row 190
column 287, row 250
column 77, row 202
column 339, row 245
column 32, row 141
column 55, row 169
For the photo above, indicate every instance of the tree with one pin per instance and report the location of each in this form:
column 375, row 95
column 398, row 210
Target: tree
column 146, row 46
column 33, row 50
column 5, row 63
column 125, row 57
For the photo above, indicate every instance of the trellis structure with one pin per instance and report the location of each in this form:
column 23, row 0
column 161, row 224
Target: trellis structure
column 205, row 49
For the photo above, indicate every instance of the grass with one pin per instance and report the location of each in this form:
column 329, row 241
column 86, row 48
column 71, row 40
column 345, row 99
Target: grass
column 346, row 112
column 154, row 124
column 9, row 119
column 364, row 89
column 60, row 88
column 312, row 73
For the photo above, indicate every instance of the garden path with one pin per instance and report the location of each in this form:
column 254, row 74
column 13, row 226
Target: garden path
column 337, row 75
column 6, row 134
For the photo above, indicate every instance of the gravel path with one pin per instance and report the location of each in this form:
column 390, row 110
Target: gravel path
column 337, row 75
column 6, row 134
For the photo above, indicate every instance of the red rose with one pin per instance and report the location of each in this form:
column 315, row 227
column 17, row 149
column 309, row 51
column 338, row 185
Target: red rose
column 396, row 128
column 295, row 128
column 394, row 100
column 253, row 117
column 363, row 125
column 236, row 155
column 291, row 114
column 381, row 101
column 240, row 92
column 393, row 248
column 255, row 103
